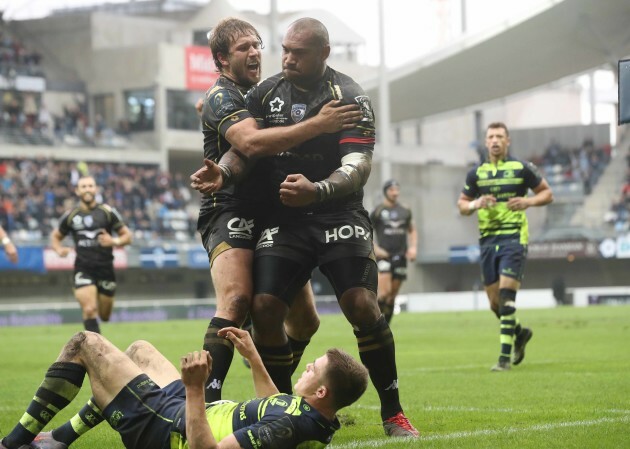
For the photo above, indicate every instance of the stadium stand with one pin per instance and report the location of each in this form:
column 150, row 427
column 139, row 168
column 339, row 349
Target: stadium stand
column 155, row 204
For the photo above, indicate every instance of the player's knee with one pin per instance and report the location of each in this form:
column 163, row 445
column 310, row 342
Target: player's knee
column 137, row 348
column 268, row 313
column 360, row 307
column 78, row 343
column 237, row 307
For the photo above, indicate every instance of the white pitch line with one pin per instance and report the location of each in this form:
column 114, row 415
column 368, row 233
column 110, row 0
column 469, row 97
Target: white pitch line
column 476, row 433
column 451, row 408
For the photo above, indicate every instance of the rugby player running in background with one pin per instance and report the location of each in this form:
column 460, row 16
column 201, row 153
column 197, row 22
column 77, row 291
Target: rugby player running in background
column 92, row 226
column 395, row 243
column 498, row 191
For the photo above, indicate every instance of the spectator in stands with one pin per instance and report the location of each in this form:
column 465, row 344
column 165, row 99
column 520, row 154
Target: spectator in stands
column 9, row 247
column 498, row 190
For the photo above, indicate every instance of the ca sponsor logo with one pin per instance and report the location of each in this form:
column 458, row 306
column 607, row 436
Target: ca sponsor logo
column 108, row 285
column 80, row 280
column 46, row 416
column 346, row 232
column 240, row 228
column 266, row 238
column 393, row 386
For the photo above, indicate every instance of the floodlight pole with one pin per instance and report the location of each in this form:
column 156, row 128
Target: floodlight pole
column 384, row 118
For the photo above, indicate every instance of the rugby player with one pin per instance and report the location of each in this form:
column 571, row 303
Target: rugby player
column 91, row 225
column 146, row 400
column 9, row 247
column 395, row 243
column 498, row 191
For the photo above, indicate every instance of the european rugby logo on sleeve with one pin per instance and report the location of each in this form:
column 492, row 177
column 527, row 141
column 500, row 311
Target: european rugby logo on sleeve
column 366, row 108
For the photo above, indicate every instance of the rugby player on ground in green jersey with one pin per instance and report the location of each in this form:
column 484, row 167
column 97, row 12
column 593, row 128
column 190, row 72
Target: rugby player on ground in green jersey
column 144, row 398
column 498, row 191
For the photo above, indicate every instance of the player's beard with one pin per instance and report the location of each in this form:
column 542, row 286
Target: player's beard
column 88, row 198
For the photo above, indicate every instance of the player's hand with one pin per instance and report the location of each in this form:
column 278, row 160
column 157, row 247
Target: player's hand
column 11, row 252
column 297, row 191
column 241, row 340
column 63, row 251
column 105, row 239
column 334, row 117
column 199, row 106
column 518, row 203
column 380, row 253
column 486, row 201
column 207, row 179
column 196, row 367
column 411, row 253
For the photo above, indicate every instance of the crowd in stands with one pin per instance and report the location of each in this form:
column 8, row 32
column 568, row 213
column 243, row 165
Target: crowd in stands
column 574, row 166
column 155, row 204
column 15, row 59
column 619, row 214
column 26, row 120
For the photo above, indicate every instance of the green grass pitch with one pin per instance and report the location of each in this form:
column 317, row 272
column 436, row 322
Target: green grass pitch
column 572, row 390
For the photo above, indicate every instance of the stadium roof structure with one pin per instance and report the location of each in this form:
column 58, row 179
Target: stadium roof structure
column 559, row 39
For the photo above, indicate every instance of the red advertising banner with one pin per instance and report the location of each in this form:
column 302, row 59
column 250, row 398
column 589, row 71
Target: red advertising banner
column 201, row 73
column 53, row 262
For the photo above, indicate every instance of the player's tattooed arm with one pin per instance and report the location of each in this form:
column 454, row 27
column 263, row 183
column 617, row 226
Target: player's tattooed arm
column 298, row 191
column 350, row 177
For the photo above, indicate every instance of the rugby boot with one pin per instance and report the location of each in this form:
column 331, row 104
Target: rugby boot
column 501, row 366
column 45, row 440
column 520, row 343
column 399, row 426
column 24, row 446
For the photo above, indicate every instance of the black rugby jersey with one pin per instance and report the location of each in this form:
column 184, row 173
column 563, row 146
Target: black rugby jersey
column 507, row 179
column 224, row 106
column 391, row 225
column 85, row 227
column 276, row 102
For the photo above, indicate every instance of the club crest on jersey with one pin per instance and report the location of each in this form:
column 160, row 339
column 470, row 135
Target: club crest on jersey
column 276, row 104
column 366, row 108
column 298, row 111
column 88, row 220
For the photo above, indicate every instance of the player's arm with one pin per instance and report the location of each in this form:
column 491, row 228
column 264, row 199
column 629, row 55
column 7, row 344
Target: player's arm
column 542, row 192
column 124, row 237
column 9, row 247
column 243, row 343
column 55, row 243
column 412, row 241
column 542, row 196
column 297, row 190
column 468, row 205
column 252, row 141
column 196, row 367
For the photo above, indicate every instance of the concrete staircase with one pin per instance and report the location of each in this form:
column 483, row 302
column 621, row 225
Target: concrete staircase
column 608, row 188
